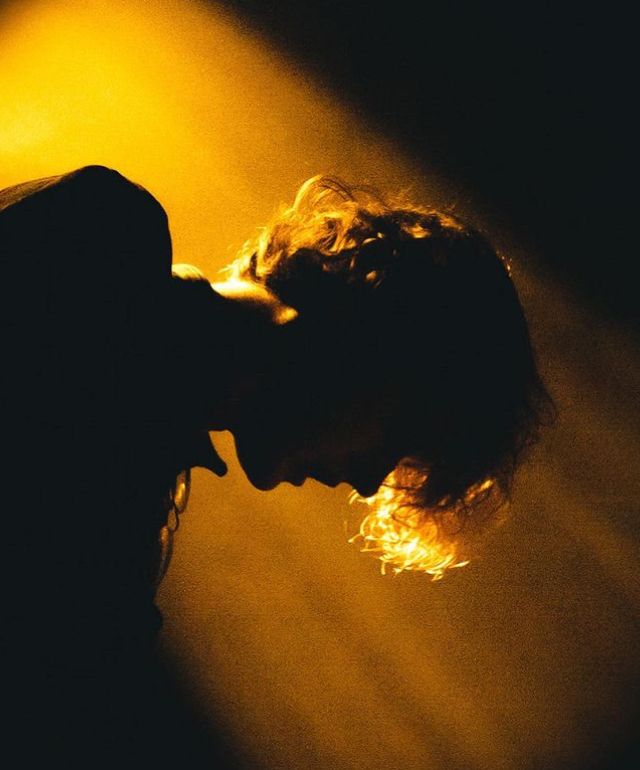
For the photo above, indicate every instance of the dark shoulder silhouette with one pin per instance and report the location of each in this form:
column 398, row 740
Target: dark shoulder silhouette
column 86, row 276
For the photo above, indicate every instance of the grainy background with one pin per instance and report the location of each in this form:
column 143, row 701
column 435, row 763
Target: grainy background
column 290, row 646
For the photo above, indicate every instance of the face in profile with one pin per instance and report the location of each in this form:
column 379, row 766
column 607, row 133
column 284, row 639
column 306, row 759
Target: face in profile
column 310, row 425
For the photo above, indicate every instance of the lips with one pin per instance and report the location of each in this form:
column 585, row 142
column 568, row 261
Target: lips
column 325, row 479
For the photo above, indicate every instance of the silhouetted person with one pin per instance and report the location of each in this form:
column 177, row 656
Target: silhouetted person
column 352, row 340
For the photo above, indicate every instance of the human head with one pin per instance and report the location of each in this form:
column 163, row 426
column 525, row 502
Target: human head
column 421, row 322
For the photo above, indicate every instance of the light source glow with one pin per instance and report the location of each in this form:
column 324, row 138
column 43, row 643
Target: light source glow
column 409, row 538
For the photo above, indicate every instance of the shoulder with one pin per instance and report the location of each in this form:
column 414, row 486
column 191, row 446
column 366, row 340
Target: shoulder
column 87, row 187
column 104, row 189
column 96, row 175
column 102, row 178
column 84, row 213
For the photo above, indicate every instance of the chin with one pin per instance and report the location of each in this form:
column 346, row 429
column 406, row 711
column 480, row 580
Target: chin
column 260, row 476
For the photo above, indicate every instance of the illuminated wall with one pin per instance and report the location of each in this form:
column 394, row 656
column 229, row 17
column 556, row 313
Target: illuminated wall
column 310, row 658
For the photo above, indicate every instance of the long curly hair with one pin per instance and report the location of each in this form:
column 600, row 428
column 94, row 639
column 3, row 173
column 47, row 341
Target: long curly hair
column 435, row 301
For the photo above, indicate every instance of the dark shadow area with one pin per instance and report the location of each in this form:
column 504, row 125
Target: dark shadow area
column 91, row 464
column 526, row 108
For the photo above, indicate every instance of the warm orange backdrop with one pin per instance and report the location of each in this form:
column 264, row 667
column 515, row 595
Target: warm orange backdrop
column 286, row 634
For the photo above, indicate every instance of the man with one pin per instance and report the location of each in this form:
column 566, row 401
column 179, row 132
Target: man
column 355, row 341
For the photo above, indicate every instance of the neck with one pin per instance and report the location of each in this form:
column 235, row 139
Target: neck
column 237, row 337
